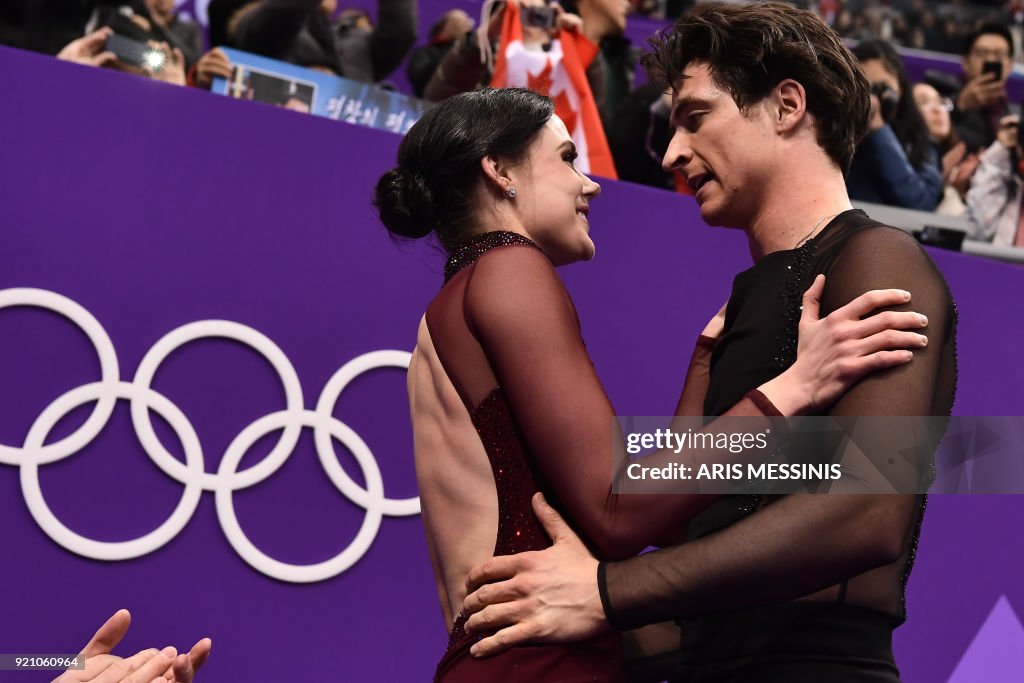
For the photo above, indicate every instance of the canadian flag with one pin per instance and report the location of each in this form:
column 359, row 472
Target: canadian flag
column 559, row 73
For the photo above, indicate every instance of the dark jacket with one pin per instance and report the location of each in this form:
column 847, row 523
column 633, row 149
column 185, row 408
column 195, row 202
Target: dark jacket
column 882, row 174
column 295, row 31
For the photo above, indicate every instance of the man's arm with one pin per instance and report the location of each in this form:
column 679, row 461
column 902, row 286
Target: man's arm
column 270, row 27
column 393, row 35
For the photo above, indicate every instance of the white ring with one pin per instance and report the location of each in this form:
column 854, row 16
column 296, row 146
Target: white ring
column 107, row 550
column 109, row 372
column 256, row 557
column 324, row 407
column 262, row 345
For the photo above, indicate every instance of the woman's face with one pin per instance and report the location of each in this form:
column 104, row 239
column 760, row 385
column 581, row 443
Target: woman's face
column 553, row 197
column 876, row 72
column 934, row 109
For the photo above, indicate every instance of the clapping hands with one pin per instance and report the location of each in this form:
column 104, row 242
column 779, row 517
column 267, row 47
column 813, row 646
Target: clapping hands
column 147, row 666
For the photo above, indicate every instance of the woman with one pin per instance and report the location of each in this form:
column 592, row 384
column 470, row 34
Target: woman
column 895, row 163
column 958, row 166
column 499, row 352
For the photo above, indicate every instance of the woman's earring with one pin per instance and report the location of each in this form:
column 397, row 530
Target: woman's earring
column 510, row 193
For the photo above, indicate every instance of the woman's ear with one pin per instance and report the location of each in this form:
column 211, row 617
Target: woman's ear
column 495, row 174
column 790, row 100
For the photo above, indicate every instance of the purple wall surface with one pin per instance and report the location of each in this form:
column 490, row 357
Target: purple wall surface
column 153, row 207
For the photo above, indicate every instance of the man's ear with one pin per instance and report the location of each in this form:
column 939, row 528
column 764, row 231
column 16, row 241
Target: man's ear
column 496, row 174
column 789, row 100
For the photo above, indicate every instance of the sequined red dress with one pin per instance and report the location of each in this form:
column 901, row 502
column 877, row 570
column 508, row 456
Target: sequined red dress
column 507, row 334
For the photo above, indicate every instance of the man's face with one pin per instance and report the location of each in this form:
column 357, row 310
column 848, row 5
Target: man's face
column 990, row 47
column 725, row 155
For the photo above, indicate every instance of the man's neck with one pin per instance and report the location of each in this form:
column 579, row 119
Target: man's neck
column 797, row 209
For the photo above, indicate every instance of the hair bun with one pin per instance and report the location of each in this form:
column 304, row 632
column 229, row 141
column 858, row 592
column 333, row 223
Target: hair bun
column 405, row 204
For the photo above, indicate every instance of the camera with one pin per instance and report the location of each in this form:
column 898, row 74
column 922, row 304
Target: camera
column 136, row 53
column 888, row 100
column 540, row 17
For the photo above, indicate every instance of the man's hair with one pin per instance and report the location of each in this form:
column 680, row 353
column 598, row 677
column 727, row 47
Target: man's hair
column 751, row 48
column 989, row 29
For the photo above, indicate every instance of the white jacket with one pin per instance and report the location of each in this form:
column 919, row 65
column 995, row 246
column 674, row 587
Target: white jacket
column 993, row 202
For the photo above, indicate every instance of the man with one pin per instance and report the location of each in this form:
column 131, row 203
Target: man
column 768, row 106
column 982, row 103
column 424, row 60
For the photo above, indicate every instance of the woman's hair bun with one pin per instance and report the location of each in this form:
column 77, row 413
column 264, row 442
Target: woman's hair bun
column 405, row 203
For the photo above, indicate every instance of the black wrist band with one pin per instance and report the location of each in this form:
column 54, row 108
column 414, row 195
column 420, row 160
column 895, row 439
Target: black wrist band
column 602, row 589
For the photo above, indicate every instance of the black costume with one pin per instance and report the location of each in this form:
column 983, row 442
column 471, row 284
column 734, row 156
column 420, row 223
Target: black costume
column 726, row 585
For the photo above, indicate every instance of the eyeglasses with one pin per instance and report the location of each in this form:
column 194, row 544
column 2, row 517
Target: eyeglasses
column 993, row 55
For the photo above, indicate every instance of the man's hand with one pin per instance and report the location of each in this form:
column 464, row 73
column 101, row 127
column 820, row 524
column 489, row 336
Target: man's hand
column 549, row 596
column 89, row 50
column 981, row 92
column 213, row 63
column 147, row 666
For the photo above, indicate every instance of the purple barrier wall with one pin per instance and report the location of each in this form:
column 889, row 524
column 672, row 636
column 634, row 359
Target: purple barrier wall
column 153, row 207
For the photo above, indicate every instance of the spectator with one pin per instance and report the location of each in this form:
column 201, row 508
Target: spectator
column 609, row 74
column 895, row 163
column 89, row 50
column 982, row 102
column 424, row 60
column 167, row 26
column 957, row 165
column 46, row 26
column 994, row 200
column 151, row 21
column 639, row 137
column 604, row 22
column 300, row 32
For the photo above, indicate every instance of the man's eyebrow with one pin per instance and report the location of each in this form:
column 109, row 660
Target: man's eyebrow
column 683, row 104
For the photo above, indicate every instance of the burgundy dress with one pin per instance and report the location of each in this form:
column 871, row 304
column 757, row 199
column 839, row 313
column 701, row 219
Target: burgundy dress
column 507, row 334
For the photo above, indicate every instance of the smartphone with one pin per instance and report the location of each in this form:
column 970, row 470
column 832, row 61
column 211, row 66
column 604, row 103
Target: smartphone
column 130, row 51
column 995, row 68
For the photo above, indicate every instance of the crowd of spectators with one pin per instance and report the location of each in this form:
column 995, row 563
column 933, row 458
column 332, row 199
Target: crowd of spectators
column 943, row 145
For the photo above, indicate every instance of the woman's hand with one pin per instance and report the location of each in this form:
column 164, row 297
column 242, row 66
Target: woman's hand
column 835, row 352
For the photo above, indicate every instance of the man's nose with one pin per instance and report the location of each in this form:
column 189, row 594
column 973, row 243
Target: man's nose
column 678, row 153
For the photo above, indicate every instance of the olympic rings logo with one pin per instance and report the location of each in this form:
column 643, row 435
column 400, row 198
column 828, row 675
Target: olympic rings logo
column 291, row 421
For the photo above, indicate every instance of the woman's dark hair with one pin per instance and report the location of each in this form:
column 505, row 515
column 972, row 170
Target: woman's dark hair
column 431, row 189
column 751, row 48
column 907, row 122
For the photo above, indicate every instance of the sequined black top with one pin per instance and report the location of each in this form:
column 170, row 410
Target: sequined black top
column 759, row 341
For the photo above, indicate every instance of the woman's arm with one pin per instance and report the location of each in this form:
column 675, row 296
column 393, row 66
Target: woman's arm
column 524, row 319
